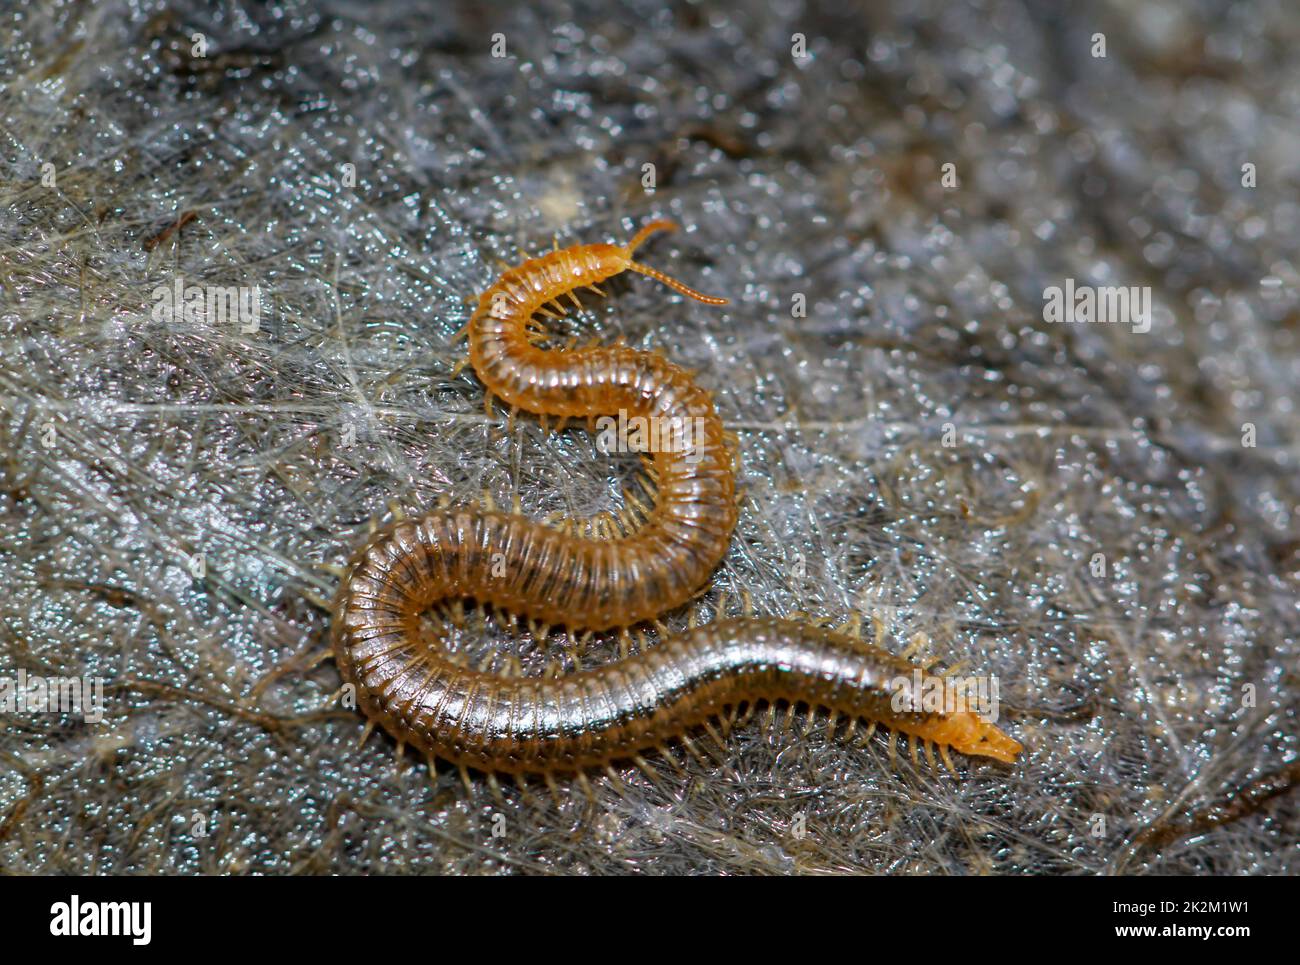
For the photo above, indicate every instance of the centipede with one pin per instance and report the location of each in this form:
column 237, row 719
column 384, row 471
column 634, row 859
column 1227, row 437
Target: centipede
column 645, row 700
column 1241, row 803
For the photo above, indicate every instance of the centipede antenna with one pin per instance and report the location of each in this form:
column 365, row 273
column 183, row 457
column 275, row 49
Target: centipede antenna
column 675, row 285
column 654, row 227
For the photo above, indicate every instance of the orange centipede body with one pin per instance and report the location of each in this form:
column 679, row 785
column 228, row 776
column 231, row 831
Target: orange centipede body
column 645, row 700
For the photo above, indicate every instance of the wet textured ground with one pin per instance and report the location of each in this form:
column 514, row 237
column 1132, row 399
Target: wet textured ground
column 1076, row 508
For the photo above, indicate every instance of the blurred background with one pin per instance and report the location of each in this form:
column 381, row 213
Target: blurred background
column 1103, row 515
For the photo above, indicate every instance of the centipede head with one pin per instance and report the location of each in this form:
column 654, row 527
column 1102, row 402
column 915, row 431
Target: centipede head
column 968, row 733
column 653, row 228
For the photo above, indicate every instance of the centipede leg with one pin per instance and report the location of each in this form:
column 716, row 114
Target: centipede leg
column 495, row 787
column 668, row 756
column 947, row 760
column 587, row 789
column 914, row 646
column 525, row 796
column 644, row 767
column 615, row 779
column 694, row 751
column 365, row 734
column 717, row 738
column 831, row 721
column 554, row 788
column 788, row 719
column 727, row 721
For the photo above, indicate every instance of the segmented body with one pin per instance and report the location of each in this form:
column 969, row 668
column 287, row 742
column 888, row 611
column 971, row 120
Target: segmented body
column 590, row 718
